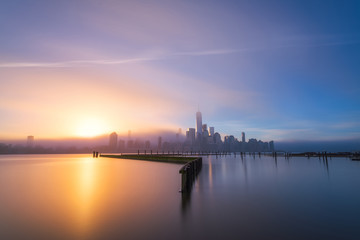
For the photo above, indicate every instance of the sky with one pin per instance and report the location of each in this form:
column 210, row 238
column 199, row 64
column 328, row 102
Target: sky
column 277, row 70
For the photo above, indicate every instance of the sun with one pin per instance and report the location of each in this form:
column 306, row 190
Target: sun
column 91, row 127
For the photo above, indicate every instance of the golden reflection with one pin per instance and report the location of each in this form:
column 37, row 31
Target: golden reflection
column 85, row 197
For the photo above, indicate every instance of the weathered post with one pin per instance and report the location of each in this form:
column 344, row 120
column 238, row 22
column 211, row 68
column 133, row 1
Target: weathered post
column 188, row 174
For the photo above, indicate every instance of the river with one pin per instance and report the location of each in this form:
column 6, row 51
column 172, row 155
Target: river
column 75, row 196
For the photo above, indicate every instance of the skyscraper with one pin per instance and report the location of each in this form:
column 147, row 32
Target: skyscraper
column 243, row 137
column 198, row 124
column 113, row 141
column 205, row 132
column 204, row 127
column 212, row 131
column 191, row 136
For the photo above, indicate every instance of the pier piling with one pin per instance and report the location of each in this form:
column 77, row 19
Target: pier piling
column 188, row 174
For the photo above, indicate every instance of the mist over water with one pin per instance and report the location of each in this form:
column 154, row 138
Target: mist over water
column 78, row 197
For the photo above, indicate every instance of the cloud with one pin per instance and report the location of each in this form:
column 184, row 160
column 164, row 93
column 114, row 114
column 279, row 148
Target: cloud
column 282, row 42
column 211, row 52
column 79, row 63
column 74, row 63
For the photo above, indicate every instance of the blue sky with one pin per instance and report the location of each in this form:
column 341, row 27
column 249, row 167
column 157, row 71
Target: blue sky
column 282, row 70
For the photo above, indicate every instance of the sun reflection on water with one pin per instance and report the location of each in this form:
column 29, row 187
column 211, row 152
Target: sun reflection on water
column 86, row 193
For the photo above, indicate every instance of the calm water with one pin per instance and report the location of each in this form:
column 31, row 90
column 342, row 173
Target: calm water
column 77, row 197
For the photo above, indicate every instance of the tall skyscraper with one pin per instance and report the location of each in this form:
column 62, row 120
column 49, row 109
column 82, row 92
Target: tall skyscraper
column 243, row 137
column 212, row 131
column 113, row 141
column 198, row 124
column 30, row 141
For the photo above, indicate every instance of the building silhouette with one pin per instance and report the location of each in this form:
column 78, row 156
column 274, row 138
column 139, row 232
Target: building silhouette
column 113, row 138
column 199, row 139
column 190, row 135
column 271, row 146
column 159, row 143
column 211, row 131
column 30, row 141
column 198, row 125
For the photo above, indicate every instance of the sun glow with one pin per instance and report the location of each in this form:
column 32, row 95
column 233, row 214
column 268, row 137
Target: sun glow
column 91, row 127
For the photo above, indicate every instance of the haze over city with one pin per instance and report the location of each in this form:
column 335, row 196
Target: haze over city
column 284, row 71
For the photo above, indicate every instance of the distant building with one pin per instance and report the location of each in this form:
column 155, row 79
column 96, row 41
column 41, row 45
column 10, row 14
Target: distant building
column 190, row 136
column 230, row 143
column 198, row 124
column 30, row 141
column 129, row 134
column 217, row 138
column 159, row 143
column 204, row 127
column 243, row 137
column 113, row 138
column 212, row 131
column 121, row 145
column 147, row 144
column 130, row 144
column 271, row 146
column 252, row 145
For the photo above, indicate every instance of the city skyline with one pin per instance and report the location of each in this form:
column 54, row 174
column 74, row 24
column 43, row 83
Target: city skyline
column 284, row 71
column 203, row 139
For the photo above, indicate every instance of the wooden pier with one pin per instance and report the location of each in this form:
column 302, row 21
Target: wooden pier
column 188, row 174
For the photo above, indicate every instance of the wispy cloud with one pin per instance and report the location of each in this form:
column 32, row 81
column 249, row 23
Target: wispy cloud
column 211, row 52
column 294, row 42
column 78, row 63
column 72, row 63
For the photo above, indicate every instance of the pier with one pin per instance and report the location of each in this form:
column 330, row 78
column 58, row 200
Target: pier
column 188, row 174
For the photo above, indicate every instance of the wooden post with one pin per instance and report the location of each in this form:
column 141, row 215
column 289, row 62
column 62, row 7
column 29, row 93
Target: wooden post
column 188, row 174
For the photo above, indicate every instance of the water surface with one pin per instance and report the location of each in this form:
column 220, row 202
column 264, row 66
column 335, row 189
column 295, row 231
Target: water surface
column 78, row 197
